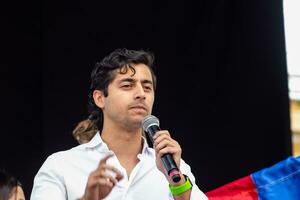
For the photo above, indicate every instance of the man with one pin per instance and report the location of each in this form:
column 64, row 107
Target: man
column 114, row 161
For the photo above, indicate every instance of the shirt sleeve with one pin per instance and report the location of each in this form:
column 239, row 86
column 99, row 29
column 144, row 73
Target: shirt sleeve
column 196, row 193
column 49, row 182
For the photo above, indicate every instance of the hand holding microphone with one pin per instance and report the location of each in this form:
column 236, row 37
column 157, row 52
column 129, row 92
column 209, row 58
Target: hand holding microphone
column 168, row 151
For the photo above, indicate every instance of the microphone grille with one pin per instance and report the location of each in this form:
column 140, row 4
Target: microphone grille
column 149, row 121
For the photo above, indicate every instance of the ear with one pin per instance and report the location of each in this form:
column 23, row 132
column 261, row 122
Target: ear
column 98, row 97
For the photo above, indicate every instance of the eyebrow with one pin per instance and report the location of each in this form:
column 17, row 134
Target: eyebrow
column 131, row 80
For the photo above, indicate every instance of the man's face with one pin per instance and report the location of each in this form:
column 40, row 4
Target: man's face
column 130, row 97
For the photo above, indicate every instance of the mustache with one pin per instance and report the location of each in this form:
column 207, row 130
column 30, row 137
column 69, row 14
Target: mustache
column 139, row 105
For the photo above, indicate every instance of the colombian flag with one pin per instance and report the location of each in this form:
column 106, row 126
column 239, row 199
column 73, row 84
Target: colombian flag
column 278, row 182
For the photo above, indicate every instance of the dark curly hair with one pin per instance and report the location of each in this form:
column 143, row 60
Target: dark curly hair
column 102, row 75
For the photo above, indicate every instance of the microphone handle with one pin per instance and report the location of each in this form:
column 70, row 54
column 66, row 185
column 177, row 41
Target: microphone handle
column 167, row 159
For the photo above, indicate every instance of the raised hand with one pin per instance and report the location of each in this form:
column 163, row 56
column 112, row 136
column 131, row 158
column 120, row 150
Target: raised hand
column 101, row 182
column 163, row 144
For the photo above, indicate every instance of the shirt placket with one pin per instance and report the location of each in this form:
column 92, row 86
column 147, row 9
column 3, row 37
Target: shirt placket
column 132, row 178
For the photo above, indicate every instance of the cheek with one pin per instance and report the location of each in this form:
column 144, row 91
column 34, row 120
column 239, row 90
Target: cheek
column 116, row 102
column 150, row 101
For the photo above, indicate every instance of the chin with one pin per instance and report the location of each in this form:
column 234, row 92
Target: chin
column 137, row 121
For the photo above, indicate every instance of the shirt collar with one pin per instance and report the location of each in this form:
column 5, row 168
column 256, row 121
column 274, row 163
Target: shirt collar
column 97, row 142
column 145, row 145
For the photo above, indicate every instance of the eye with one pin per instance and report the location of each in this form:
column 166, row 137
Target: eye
column 126, row 86
column 147, row 87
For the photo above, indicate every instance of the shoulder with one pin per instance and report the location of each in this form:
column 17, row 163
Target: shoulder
column 62, row 157
column 184, row 167
column 84, row 153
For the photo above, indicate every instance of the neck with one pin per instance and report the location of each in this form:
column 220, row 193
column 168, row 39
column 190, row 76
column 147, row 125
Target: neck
column 123, row 142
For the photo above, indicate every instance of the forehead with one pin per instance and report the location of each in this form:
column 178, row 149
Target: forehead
column 134, row 71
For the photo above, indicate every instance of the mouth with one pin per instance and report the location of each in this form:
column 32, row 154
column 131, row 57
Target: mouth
column 139, row 107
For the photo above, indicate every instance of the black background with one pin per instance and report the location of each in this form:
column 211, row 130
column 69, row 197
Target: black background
column 221, row 68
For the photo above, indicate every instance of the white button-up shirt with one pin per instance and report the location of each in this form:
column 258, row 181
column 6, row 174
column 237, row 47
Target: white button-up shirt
column 64, row 175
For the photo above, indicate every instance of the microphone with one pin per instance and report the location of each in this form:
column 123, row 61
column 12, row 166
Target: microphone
column 151, row 126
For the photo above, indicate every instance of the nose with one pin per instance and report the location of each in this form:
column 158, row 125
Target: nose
column 139, row 92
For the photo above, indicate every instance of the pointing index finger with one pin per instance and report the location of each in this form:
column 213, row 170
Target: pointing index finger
column 103, row 160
